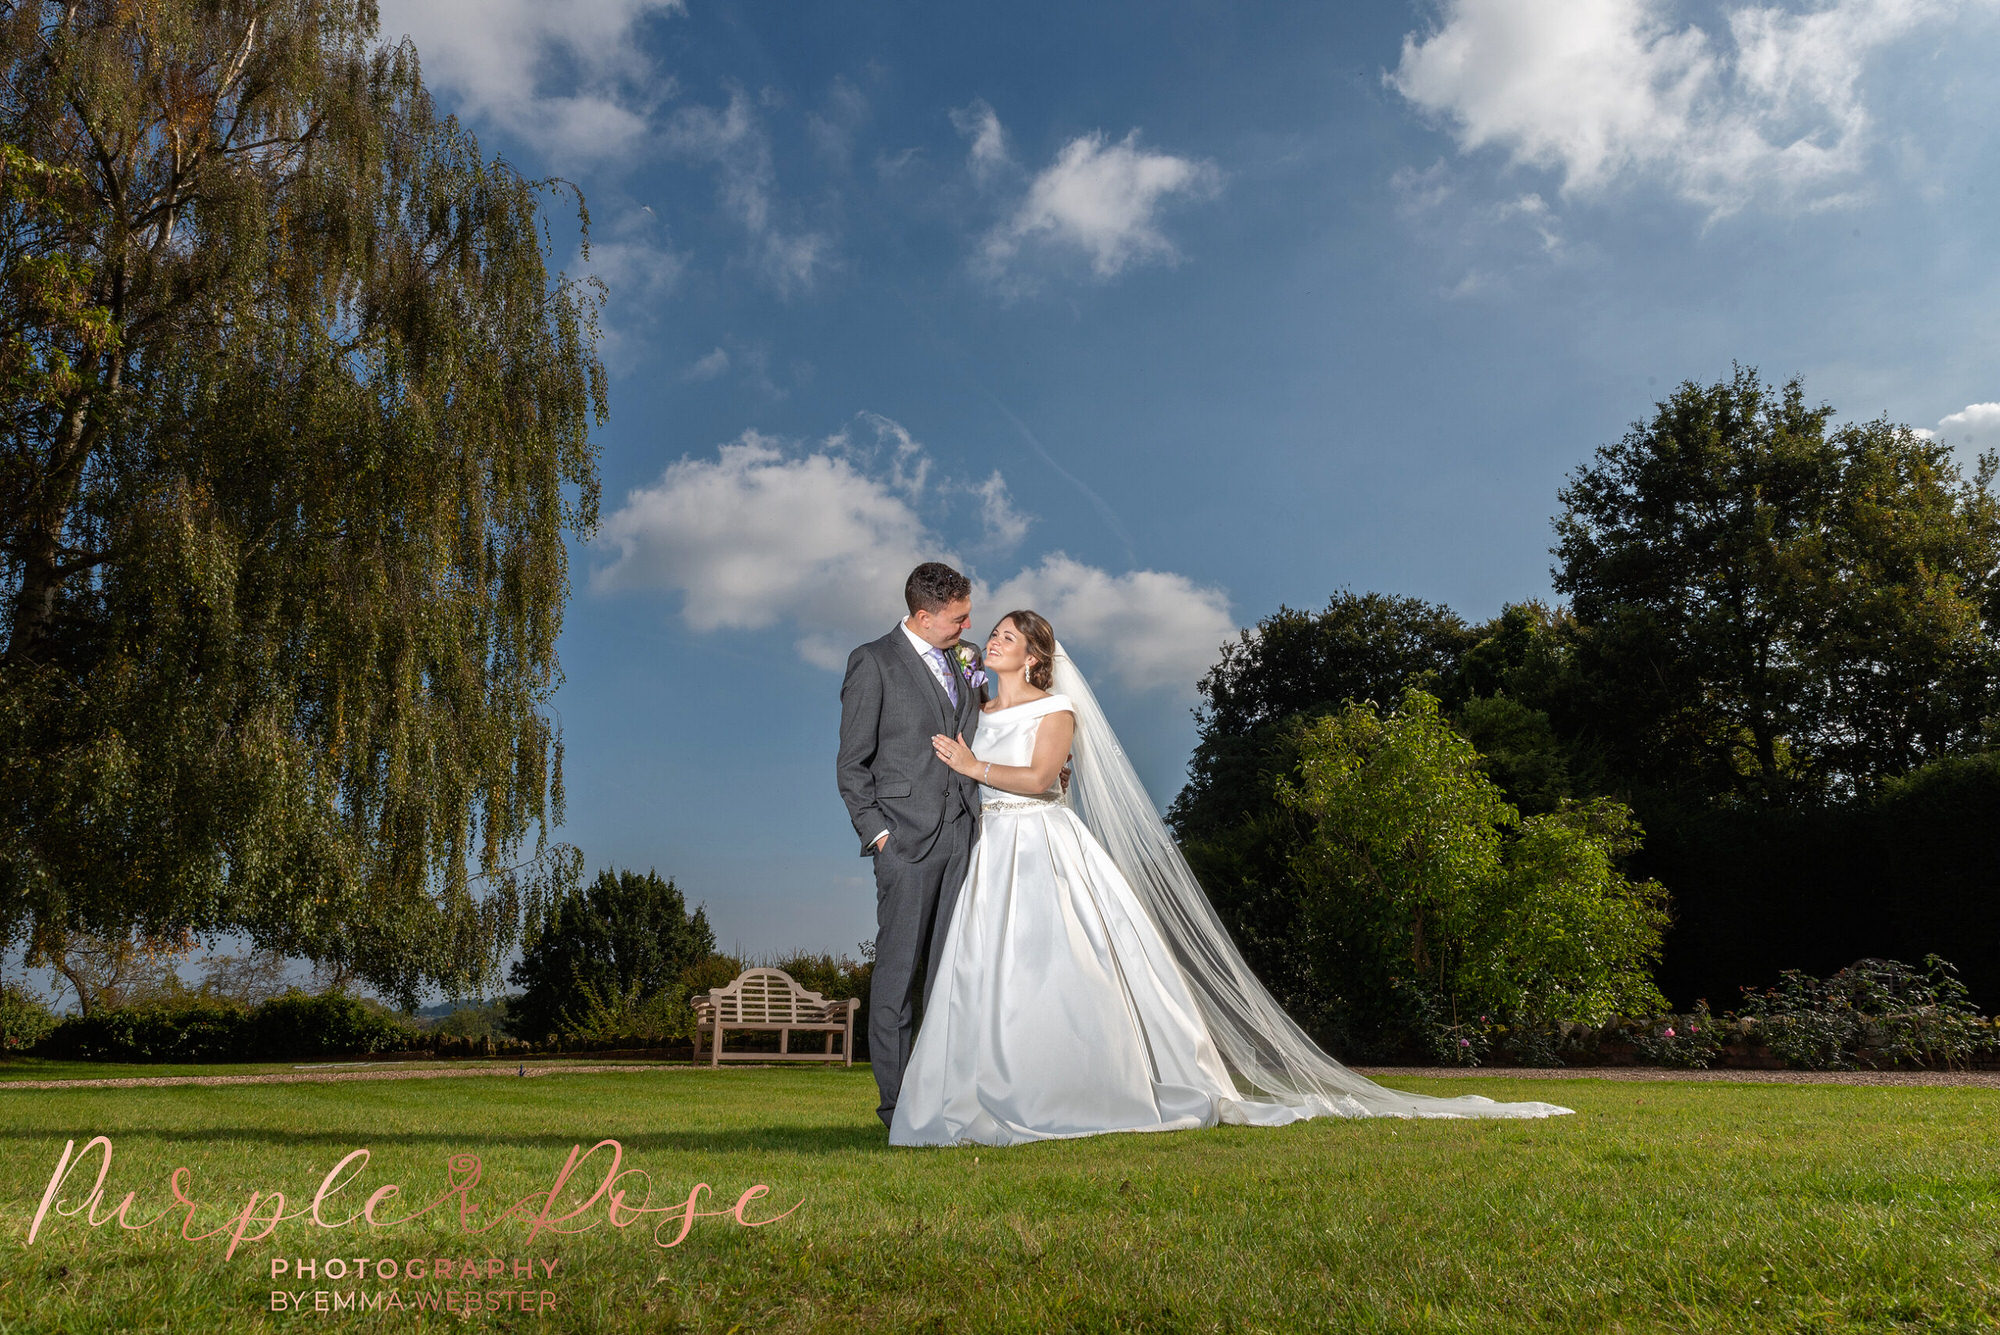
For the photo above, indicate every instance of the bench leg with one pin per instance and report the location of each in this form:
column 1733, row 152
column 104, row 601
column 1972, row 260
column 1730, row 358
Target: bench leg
column 784, row 1041
column 715, row 1049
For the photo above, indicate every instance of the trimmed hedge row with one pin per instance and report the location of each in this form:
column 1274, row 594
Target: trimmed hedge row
column 297, row 1024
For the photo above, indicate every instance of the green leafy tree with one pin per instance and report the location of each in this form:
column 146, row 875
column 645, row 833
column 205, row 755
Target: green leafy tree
column 1515, row 695
column 1365, row 646
column 295, row 422
column 1774, row 608
column 603, row 954
column 1238, row 839
column 1572, row 937
column 1418, row 863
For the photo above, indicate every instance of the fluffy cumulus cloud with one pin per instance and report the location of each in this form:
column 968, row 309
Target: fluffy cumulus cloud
column 819, row 536
column 762, row 534
column 1149, row 629
column 1606, row 91
column 496, row 59
column 1099, row 200
column 1976, row 425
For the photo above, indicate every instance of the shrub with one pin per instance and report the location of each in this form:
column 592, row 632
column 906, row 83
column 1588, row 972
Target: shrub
column 209, row 1028
column 195, row 1028
column 1693, row 1041
column 1874, row 1012
column 301, row 1024
column 25, row 1018
column 1416, row 867
column 1425, row 1019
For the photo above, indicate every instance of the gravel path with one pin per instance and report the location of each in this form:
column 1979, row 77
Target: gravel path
column 400, row 1071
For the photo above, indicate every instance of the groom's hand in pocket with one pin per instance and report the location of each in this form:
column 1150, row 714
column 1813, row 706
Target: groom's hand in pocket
column 1064, row 776
column 881, row 840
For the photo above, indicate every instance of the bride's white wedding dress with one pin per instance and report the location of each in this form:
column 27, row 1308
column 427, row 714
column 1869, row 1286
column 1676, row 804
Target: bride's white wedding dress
column 1064, row 1006
column 1057, row 1010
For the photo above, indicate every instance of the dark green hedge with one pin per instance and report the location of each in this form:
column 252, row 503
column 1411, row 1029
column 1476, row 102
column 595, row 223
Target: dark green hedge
column 1911, row 870
column 210, row 1029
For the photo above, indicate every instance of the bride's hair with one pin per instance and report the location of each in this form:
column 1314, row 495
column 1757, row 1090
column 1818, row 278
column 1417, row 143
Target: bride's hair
column 1041, row 638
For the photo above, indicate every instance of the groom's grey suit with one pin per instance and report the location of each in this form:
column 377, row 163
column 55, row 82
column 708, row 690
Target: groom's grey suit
column 891, row 704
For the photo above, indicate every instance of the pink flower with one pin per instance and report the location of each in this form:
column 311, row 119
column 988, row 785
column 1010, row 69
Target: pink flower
column 1670, row 1031
column 1465, row 1042
column 1694, row 1029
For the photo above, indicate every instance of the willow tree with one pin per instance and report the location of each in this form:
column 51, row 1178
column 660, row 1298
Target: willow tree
column 295, row 421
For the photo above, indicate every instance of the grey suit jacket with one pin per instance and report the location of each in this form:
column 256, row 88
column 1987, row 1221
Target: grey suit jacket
column 890, row 776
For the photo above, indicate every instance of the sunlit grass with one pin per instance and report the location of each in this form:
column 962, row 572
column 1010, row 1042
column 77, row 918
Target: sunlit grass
column 1659, row 1206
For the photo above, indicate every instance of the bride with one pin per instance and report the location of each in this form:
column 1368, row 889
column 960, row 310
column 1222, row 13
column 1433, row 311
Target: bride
column 1085, row 984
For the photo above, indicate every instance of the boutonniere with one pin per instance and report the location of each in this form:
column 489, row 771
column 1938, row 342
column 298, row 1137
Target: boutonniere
column 968, row 665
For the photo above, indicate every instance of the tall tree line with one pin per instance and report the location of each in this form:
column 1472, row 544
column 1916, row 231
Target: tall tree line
column 1780, row 649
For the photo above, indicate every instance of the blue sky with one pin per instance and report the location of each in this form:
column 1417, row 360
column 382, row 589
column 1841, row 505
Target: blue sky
column 1155, row 316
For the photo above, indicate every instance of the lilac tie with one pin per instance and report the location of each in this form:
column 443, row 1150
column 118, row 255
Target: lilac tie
column 944, row 669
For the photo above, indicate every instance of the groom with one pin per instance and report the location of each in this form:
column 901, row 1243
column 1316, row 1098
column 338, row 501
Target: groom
column 914, row 815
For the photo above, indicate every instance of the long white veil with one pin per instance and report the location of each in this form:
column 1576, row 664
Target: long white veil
column 1270, row 1058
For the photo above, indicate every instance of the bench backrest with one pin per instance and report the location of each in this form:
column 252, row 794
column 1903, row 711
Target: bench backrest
column 766, row 996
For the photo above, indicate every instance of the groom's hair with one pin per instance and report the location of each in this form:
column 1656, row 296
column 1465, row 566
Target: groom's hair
column 934, row 584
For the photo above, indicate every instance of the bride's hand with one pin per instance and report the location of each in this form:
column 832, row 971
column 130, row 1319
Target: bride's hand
column 954, row 753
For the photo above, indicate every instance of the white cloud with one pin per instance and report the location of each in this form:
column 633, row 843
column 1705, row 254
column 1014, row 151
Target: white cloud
column 832, row 129
column 820, row 538
column 491, row 57
column 988, row 156
column 1421, row 191
column 1976, row 424
column 636, row 263
column 1098, row 198
column 761, row 534
column 639, row 269
column 734, row 141
column 1149, row 629
column 1605, row 91
column 1534, row 210
column 901, row 461
column 708, row 366
column 1005, row 526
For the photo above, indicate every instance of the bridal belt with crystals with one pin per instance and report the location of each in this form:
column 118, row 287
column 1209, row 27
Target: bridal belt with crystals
column 1019, row 804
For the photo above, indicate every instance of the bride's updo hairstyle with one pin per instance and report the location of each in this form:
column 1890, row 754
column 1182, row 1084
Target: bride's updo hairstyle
column 1041, row 640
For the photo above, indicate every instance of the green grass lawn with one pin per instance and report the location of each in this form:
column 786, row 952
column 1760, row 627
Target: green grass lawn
column 1659, row 1206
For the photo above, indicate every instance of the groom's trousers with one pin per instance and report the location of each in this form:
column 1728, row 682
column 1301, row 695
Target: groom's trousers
column 913, row 907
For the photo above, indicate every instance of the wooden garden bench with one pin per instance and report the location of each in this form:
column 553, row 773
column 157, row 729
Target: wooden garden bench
column 771, row 999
